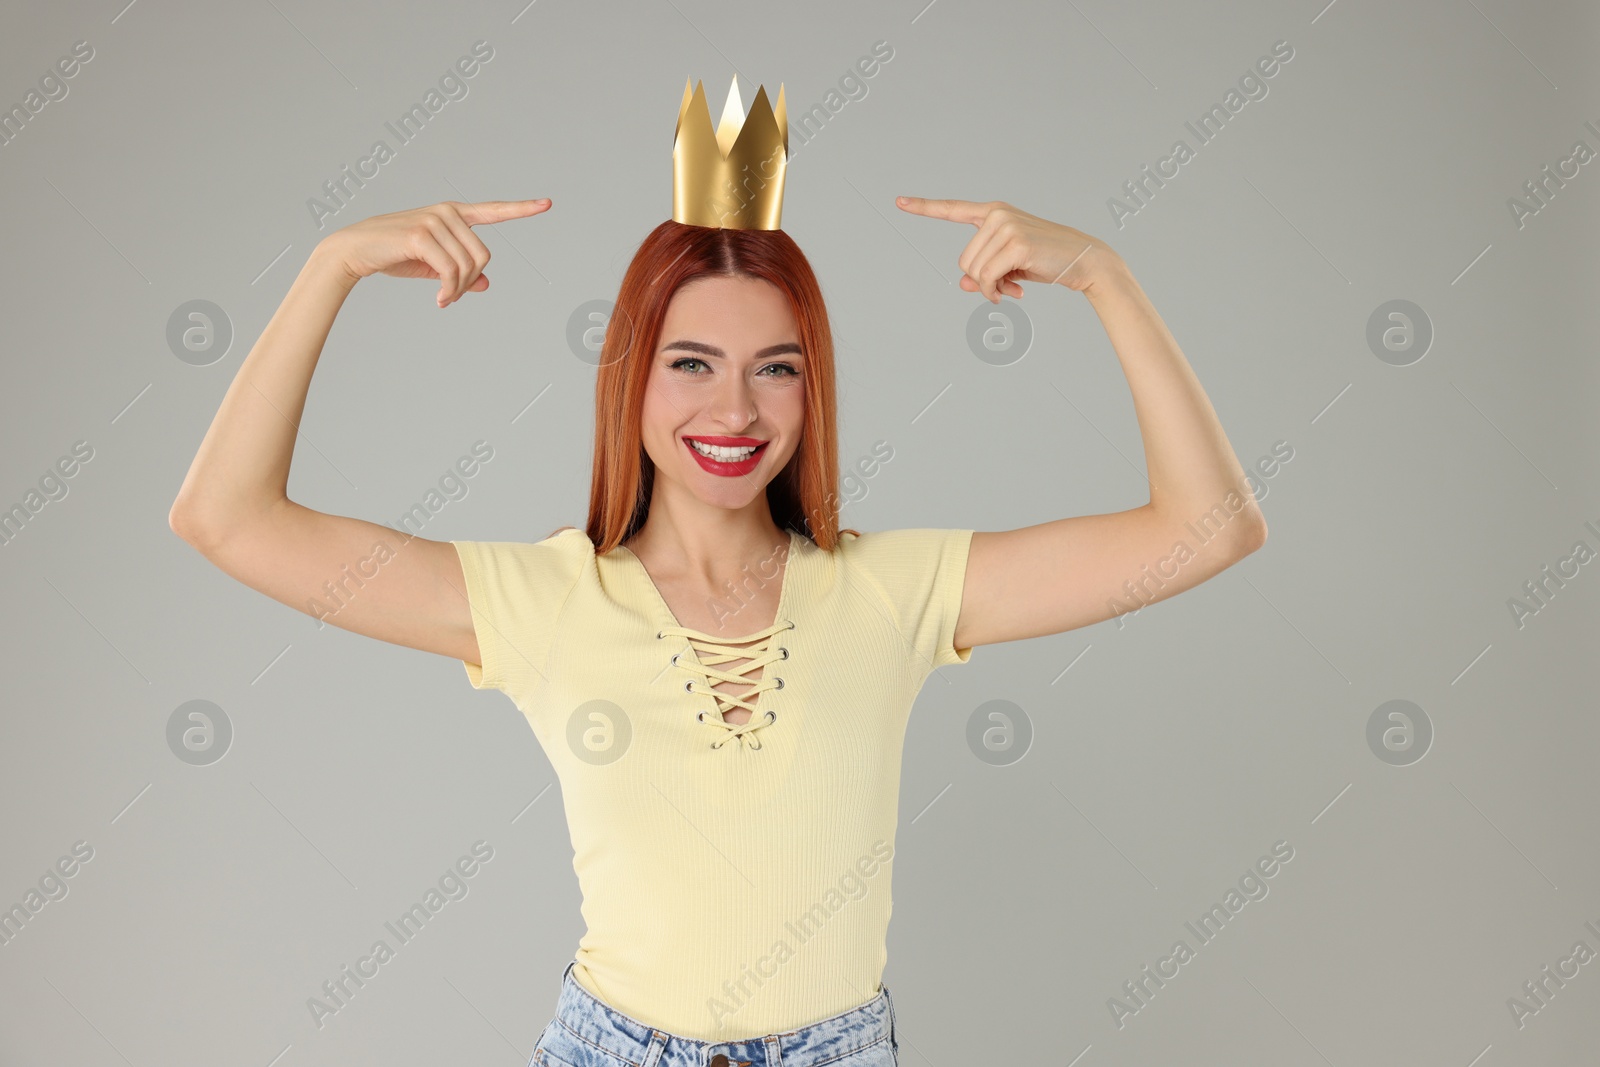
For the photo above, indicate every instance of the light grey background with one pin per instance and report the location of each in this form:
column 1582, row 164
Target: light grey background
column 1169, row 753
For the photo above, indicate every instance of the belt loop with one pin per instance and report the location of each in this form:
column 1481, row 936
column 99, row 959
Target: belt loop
column 894, row 1041
column 652, row 1055
column 774, row 1050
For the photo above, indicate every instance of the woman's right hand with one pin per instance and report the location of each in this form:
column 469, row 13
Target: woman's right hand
column 427, row 242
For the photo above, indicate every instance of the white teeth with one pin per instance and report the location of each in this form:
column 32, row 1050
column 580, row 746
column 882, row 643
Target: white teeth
column 722, row 453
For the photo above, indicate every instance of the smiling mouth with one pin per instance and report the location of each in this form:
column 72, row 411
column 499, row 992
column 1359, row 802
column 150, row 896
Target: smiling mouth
column 725, row 453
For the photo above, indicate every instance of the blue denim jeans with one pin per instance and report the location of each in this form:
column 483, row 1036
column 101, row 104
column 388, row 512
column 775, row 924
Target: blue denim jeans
column 587, row 1032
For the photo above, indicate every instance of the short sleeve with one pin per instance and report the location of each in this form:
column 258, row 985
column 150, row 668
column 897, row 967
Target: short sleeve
column 516, row 591
column 921, row 575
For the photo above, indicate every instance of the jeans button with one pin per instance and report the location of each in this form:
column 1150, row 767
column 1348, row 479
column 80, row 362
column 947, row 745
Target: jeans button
column 719, row 1060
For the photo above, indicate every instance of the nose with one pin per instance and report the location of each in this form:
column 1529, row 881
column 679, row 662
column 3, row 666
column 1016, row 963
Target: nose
column 734, row 404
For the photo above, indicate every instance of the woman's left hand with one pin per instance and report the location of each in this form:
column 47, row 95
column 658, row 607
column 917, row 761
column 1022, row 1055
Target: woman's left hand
column 1012, row 245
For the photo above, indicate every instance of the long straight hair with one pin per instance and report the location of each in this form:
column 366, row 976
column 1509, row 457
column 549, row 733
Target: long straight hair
column 804, row 496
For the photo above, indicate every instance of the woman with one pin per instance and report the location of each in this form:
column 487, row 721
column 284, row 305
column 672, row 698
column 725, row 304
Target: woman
column 720, row 675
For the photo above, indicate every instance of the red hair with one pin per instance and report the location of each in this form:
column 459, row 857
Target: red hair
column 804, row 496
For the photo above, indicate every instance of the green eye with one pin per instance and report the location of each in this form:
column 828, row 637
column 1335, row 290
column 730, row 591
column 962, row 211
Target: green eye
column 787, row 370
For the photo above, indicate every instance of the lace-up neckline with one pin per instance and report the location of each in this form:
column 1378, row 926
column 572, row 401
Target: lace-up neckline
column 707, row 652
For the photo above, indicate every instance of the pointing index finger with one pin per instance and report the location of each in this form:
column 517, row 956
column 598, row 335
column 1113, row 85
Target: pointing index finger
column 954, row 210
column 501, row 210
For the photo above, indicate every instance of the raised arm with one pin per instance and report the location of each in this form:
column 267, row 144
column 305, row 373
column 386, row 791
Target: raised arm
column 234, row 507
column 1202, row 516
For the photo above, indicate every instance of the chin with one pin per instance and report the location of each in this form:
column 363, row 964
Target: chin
column 732, row 497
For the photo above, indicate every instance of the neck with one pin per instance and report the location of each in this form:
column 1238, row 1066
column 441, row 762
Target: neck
column 710, row 548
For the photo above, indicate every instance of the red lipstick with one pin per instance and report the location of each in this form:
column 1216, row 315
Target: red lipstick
column 720, row 467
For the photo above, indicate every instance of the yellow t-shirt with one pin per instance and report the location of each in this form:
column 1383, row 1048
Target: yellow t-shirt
column 735, row 880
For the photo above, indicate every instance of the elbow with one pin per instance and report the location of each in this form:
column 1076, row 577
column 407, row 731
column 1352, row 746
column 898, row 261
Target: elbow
column 185, row 520
column 1254, row 536
column 181, row 522
column 1250, row 528
column 177, row 518
column 206, row 523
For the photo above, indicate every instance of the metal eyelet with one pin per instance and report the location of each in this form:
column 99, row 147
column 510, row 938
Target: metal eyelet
column 700, row 715
column 785, row 651
column 772, row 716
column 675, row 656
column 688, row 687
column 658, row 635
column 791, row 625
column 780, row 683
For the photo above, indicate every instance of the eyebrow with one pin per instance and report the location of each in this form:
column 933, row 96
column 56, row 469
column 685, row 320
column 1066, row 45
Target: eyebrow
column 712, row 350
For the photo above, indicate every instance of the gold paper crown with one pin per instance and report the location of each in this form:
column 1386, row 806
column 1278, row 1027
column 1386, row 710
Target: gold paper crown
column 731, row 178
